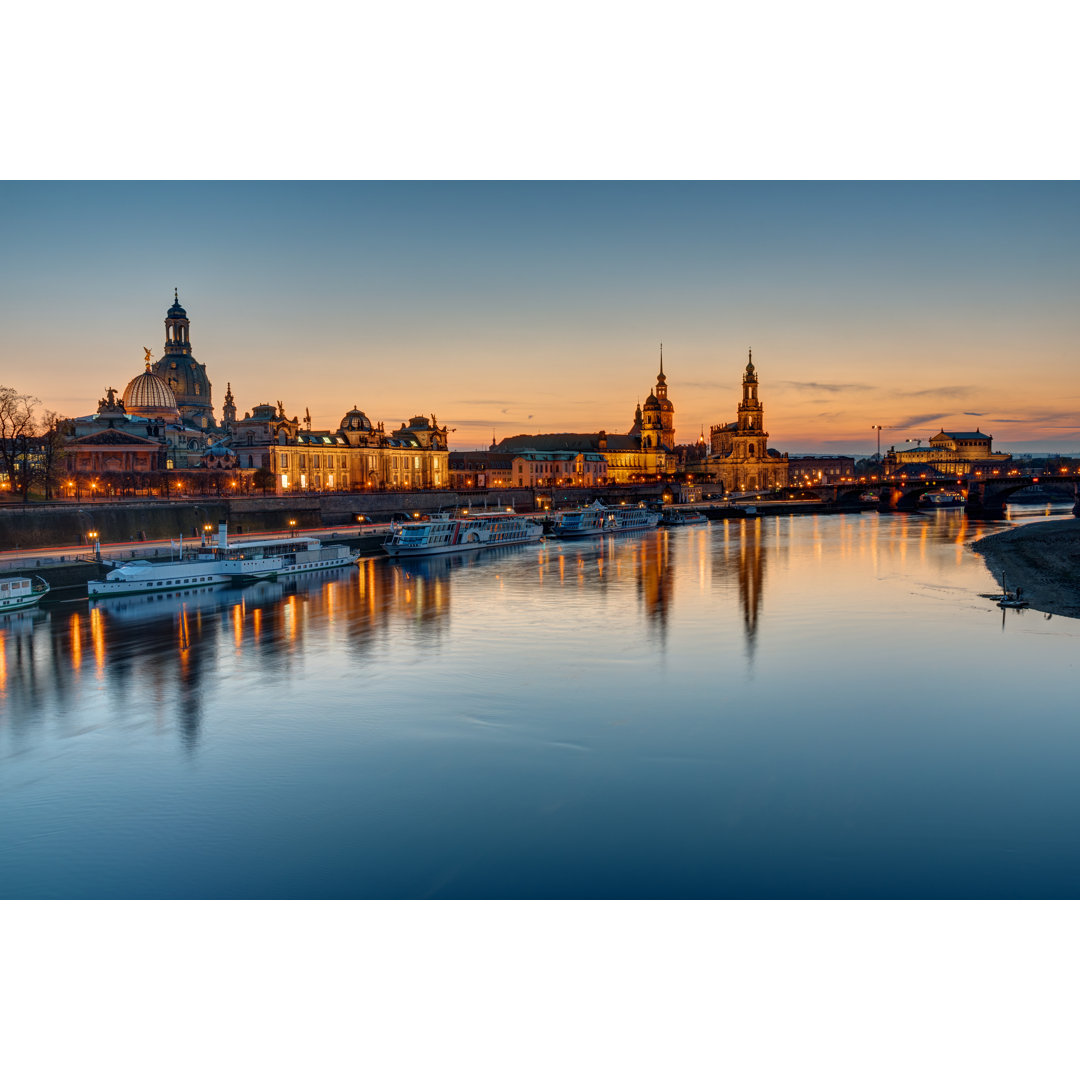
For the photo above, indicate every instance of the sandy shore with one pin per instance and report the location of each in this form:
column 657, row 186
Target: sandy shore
column 1042, row 558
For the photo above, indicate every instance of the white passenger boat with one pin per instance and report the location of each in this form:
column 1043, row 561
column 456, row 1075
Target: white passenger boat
column 440, row 533
column 141, row 576
column 600, row 519
column 17, row 593
column 584, row 521
column 222, row 563
column 296, row 556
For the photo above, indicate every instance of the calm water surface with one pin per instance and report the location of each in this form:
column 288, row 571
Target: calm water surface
column 789, row 707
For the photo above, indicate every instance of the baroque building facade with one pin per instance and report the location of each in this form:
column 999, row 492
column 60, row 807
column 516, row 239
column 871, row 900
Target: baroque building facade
column 954, row 453
column 184, row 375
column 739, row 455
column 646, row 451
column 357, row 455
column 164, row 420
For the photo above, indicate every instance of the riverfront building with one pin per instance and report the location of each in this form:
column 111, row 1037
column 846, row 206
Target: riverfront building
column 739, row 454
column 165, row 421
column 646, row 451
column 954, row 453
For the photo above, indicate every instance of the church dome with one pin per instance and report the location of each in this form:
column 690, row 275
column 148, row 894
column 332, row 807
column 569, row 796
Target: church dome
column 176, row 311
column 651, row 402
column 149, row 395
column 355, row 420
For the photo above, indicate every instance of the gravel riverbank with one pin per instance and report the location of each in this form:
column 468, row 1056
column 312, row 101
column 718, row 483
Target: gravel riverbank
column 1043, row 558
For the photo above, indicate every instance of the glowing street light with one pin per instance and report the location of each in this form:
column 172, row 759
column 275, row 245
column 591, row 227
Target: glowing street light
column 877, row 428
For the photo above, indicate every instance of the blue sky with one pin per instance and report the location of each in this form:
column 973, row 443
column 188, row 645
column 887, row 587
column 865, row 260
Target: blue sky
column 517, row 307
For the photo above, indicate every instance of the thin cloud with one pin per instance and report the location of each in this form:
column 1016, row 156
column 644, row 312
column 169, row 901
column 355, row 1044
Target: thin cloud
column 938, row 391
column 1059, row 421
column 918, row 421
column 829, row 388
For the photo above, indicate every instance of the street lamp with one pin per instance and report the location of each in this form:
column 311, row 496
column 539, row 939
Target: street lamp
column 877, row 428
column 292, row 526
column 92, row 536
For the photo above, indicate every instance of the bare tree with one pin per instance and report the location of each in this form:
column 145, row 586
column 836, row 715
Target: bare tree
column 51, row 452
column 17, row 432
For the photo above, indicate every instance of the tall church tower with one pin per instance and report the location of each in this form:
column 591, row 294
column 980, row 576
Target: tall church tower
column 750, row 438
column 228, row 410
column 184, row 374
column 658, row 416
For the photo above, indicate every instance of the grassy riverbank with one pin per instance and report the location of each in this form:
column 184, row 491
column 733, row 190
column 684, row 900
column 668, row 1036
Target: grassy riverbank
column 1043, row 558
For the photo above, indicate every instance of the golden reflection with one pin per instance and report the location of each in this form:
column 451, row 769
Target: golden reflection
column 752, row 577
column 97, row 636
column 3, row 661
column 655, row 577
column 238, row 625
column 183, row 634
column 76, row 641
column 256, row 624
column 291, row 615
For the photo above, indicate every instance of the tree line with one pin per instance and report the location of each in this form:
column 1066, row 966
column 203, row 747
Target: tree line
column 31, row 446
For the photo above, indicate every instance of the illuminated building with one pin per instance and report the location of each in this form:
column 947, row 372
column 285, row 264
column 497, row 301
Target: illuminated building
column 185, row 376
column 646, row 451
column 739, row 457
column 356, row 456
column 954, row 453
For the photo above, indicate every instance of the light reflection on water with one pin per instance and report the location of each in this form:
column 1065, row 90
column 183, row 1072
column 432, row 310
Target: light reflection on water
column 806, row 706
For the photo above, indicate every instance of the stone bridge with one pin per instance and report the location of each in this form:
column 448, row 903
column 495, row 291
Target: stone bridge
column 986, row 496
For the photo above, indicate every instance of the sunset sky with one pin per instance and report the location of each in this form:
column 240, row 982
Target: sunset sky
column 509, row 308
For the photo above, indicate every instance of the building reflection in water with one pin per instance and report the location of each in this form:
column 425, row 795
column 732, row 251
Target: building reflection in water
column 740, row 559
column 154, row 653
column 161, row 657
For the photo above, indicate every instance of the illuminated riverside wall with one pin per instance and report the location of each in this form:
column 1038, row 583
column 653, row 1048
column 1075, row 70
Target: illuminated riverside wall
column 65, row 523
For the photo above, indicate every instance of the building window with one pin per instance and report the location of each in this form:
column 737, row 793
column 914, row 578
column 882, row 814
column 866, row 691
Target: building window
column 283, row 460
column 284, row 480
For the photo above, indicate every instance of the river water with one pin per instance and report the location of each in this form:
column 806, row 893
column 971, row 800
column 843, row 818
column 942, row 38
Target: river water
column 783, row 707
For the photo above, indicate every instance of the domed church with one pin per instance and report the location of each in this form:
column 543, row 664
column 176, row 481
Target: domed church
column 185, row 376
column 150, row 396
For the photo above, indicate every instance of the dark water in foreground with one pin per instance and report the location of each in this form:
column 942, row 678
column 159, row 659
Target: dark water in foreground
column 791, row 707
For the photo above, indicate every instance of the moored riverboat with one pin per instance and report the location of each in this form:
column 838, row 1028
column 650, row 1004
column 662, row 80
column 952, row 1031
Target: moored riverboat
column 598, row 519
column 223, row 563
column 583, row 521
column 936, row 500
column 142, row 576
column 296, row 556
column 439, row 533
column 17, row 593
column 671, row 517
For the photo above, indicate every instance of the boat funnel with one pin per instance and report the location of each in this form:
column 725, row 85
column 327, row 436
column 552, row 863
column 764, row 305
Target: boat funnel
column 222, row 534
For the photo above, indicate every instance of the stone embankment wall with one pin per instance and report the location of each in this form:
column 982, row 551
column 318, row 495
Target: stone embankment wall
column 66, row 523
